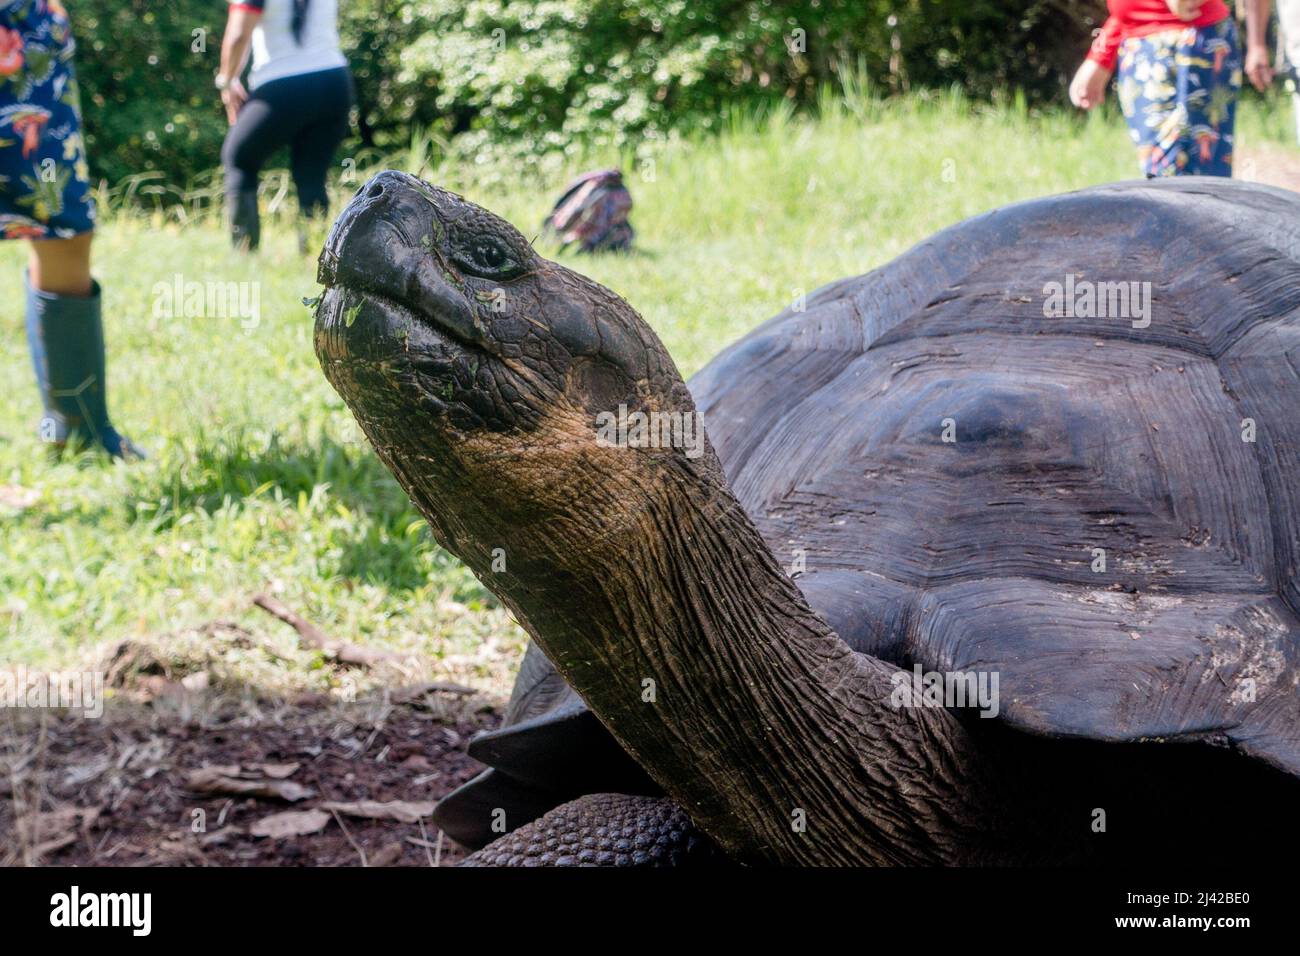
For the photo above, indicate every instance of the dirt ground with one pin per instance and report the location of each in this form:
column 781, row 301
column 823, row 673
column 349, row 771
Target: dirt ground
column 1270, row 164
column 193, row 781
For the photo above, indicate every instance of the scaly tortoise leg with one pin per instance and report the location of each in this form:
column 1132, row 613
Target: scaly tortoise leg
column 604, row 829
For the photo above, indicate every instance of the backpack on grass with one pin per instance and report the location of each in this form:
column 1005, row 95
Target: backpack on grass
column 593, row 213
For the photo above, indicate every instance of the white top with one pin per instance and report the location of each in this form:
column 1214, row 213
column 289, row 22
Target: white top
column 1288, row 16
column 276, row 54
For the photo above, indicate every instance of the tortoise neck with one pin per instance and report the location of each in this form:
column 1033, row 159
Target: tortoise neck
column 700, row 654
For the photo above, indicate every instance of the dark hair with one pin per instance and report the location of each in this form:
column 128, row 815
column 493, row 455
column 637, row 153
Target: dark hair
column 299, row 18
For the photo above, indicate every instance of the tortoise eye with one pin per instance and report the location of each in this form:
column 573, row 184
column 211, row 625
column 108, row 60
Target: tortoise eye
column 488, row 258
column 490, row 255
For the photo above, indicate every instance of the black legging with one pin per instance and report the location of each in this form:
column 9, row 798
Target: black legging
column 309, row 112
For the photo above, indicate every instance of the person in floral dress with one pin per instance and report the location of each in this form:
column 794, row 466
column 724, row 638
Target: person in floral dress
column 45, row 198
column 1180, row 69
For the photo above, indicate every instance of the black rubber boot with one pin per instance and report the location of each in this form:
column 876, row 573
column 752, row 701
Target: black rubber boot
column 245, row 227
column 66, row 338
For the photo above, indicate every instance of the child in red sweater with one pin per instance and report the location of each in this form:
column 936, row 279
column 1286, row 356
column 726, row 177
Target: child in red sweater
column 1180, row 70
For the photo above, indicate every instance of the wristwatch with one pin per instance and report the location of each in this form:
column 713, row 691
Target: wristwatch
column 222, row 81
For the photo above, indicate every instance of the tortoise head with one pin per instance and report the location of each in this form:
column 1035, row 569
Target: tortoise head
column 485, row 375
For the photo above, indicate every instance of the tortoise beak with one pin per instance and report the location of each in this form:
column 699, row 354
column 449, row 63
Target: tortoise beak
column 381, row 247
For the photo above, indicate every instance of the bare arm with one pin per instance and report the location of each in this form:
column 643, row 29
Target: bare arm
column 1256, row 21
column 1258, row 68
column 235, row 43
column 1088, row 88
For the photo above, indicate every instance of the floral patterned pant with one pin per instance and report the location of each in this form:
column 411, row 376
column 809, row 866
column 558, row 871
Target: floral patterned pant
column 44, row 181
column 1178, row 89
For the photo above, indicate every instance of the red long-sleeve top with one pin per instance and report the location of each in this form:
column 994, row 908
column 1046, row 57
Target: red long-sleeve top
column 1136, row 18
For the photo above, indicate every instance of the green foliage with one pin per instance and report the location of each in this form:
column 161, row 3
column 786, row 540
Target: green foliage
column 530, row 77
column 550, row 74
column 147, row 96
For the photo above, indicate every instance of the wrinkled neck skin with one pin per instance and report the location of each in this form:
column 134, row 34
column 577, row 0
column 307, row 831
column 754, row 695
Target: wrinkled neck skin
column 652, row 592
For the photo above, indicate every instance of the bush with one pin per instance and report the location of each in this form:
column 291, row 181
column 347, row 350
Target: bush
column 556, row 71
column 146, row 95
column 538, row 75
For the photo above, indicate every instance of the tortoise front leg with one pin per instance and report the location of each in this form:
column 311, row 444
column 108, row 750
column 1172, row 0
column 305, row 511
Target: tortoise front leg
column 604, row 829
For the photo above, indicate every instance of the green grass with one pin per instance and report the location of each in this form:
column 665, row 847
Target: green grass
column 257, row 478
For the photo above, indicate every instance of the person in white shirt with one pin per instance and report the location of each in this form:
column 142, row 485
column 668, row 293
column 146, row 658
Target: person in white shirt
column 299, row 95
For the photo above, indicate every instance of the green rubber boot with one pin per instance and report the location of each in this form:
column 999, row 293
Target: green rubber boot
column 66, row 337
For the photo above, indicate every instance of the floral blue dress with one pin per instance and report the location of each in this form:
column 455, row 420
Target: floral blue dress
column 44, row 180
column 1178, row 90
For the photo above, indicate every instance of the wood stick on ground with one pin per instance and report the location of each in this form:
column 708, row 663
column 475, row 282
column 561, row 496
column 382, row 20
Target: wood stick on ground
column 347, row 833
column 312, row 636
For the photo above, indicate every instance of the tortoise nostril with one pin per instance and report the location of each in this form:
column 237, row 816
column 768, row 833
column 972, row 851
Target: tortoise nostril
column 375, row 191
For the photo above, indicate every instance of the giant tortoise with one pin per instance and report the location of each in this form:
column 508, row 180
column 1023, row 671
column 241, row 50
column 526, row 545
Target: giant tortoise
column 990, row 555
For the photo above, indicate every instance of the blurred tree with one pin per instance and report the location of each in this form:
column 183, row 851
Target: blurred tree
column 145, row 72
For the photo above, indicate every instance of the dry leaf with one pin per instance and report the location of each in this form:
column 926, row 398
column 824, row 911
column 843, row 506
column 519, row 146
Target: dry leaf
column 277, row 771
column 291, row 823
column 403, row 811
column 214, row 780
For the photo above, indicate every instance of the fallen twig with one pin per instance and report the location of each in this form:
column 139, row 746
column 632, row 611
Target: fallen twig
column 407, row 695
column 343, row 826
column 342, row 651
